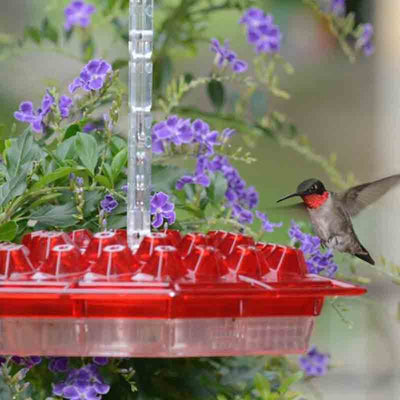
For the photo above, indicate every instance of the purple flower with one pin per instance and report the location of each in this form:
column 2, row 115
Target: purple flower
column 252, row 17
column 241, row 214
column 26, row 113
column 58, row 364
column 175, row 130
column 184, row 180
column 364, row 41
column 267, row 225
column 314, row 363
column 239, row 66
column 2, row 360
column 161, row 208
column 100, row 360
column 108, row 204
column 206, row 138
column 79, row 181
column 79, row 392
column 261, row 31
column 295, row 233
column 83, row 383
column 250, row 197
column 124, row 188
column 224, row 55
column 78, row 13
column 28, row 362
column 178, row 131
column 92, row 76
column 47, row 103
column 322, row 262
column 64, row 104
column 35, row 118
column 337, row 7
column 317, row 262
column 227, row 133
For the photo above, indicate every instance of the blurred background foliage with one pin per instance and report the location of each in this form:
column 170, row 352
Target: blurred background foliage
column 332, row 102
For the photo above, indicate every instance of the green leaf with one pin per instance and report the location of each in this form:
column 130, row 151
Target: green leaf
column 216, row 191
column 104, row 181
column 8, row 231
column 49, row 178
column 262, row 385
column 117, row 144
column 22, row 152
column 49, row 31
column 216, row 93
column 116, row 222
column 71, row 131
column 108, row 171
column 86, row 148
column 32, row 33
column 291, row 380
column 92, row 200
column 119, row 162
column 13, row 188
column 55, row 216
column 66, row 149
column 120, row 63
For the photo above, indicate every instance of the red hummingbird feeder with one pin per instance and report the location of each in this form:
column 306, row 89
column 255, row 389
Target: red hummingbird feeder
column 140, row 294
column 198, row 295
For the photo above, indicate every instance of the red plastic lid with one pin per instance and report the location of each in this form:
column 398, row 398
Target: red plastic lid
column 215, row 275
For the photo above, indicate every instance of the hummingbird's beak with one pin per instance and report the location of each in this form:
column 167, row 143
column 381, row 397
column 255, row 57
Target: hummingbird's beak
column 289, row 196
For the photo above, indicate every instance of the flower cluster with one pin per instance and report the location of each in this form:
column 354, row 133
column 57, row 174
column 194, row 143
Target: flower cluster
column 78, row 13
column 160, row 208
column 28, row 362
column 36, row 118
column 262, row 33
column 239, row 197
column 92, row 76
column 179, row 131
column 83, row 383
column 364, row 41
column 310, row 245
column 314, row 363
column 224, row 55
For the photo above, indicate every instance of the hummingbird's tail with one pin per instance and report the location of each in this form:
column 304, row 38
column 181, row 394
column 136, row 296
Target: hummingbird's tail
column 365, row 256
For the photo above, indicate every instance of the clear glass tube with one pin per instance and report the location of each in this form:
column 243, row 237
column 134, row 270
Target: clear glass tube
column 140, row 100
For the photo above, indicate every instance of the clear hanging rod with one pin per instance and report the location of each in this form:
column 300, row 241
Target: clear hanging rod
column 140, row 101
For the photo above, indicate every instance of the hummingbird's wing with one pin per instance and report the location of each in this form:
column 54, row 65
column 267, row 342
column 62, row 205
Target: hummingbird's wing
column 359, row 197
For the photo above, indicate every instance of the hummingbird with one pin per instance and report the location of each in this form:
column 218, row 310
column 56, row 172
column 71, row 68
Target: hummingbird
column 331, row 212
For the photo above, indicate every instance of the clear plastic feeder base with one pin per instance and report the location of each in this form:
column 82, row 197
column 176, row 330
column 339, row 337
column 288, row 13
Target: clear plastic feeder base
column 123, row 337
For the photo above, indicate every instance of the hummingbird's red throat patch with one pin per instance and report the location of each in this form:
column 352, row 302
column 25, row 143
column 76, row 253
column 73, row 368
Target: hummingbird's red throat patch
column 315, row 200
